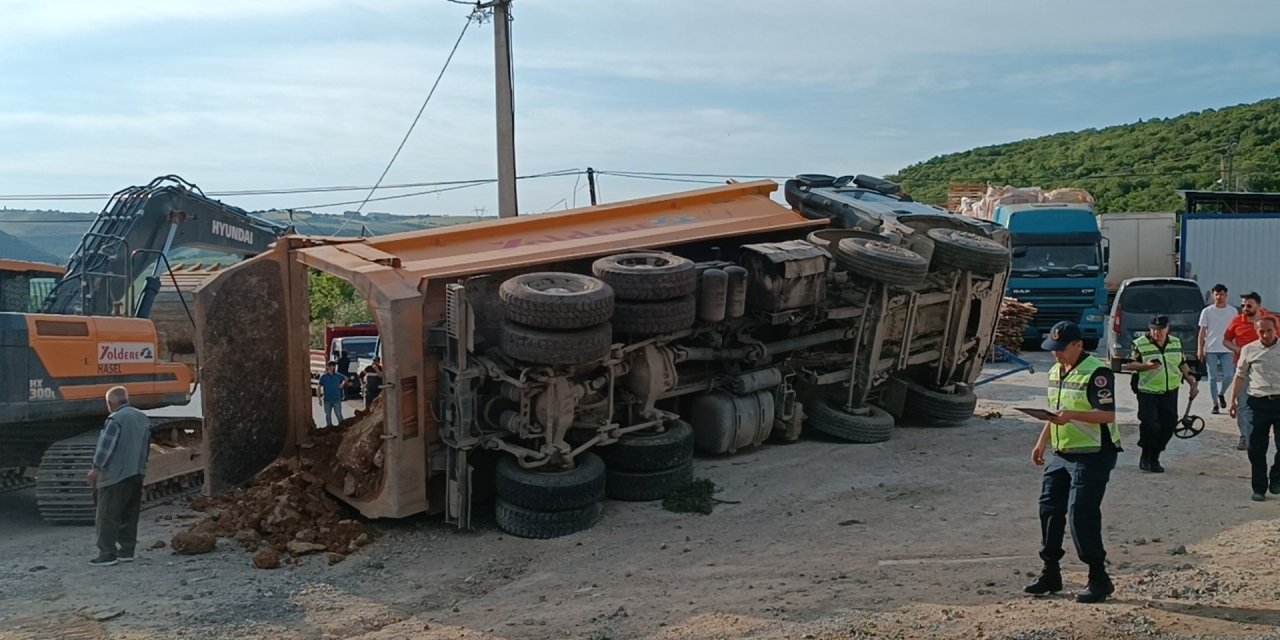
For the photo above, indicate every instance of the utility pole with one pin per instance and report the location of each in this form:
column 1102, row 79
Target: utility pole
column 1227, row 164
column 591, row 184
column 507, row 207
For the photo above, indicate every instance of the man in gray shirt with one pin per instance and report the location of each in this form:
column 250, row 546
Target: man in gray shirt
column 1260, row 369
column 119, row 464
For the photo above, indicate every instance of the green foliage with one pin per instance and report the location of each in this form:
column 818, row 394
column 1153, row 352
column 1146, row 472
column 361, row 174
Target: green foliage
column 334, row 302
column 696, row 497
column 1132, row 167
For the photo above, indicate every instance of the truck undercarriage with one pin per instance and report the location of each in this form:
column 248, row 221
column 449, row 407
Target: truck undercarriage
column 593, row 360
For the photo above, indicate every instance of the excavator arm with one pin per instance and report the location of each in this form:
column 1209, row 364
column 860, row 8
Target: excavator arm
column 135, row 229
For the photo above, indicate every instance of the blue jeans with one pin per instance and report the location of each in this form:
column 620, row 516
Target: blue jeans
column 336, row 407
column 1221, row 371
column 1244, row 413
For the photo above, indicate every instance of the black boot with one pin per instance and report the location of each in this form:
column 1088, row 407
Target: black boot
column 1144, row 464
column 1153, row 463
column 1098, row 588
column 1050, row 581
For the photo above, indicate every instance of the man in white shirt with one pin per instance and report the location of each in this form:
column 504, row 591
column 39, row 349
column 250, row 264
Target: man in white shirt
column 1260, row 366
column 1214, row 320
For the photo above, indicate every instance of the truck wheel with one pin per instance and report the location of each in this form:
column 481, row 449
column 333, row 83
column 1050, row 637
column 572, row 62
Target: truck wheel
column 927, row 407
column 826, row 416
column 881, row 261
column 553, row 489
column 649, row 451
column 647, row 275
column 646, row 486
column 550, row 347
column 652, row 318
column 541, row 525
column 556, row 300
column 968, row 251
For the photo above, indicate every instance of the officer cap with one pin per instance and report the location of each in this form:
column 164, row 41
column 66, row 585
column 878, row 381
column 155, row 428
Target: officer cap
column 1061, row 336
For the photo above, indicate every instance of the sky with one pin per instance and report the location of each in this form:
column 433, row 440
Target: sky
column 282, row 94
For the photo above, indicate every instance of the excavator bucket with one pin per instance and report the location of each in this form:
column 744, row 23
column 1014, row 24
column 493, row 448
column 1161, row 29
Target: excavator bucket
column 253, row 365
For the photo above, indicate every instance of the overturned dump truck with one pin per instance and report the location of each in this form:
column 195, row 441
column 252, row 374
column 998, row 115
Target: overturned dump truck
column 557, row 359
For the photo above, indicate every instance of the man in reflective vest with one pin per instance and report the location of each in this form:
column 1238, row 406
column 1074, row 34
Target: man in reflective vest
column 1085, row 443
column 1159, row 369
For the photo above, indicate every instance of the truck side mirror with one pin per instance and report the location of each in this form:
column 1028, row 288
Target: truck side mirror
column 1106, row 255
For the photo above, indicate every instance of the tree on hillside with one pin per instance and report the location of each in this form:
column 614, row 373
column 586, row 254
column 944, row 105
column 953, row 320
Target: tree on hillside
column 334, row 302
column 1133, row 167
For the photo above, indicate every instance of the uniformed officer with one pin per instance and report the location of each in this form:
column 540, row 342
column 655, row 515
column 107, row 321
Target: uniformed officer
column 1160, row 368
column 1085, row 443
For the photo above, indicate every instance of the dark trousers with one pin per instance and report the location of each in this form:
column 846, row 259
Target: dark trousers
column 1072, row 491
column 1157, row 420
column 1266, row 418
column 119, row 506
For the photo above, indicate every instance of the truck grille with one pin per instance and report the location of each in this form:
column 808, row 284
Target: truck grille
column 1046, row 318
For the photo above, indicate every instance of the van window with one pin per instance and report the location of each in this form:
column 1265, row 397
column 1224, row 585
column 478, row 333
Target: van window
column 1161, row 299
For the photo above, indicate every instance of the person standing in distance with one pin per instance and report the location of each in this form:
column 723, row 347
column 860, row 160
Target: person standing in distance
column 1158, row 363
column 1260, row 368
column 1239, row 333
column 1085, row 443
column 119, row 465
column 372, row 382
column 1217, row 358
column 333, row 389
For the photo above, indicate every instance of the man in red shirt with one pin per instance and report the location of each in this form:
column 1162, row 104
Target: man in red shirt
column 1240, row 332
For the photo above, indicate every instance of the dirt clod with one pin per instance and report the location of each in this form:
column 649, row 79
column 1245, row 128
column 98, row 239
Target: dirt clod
column 193, row 542
column 158, row 544
column 266, row 559
column 299, row 548
column 335, row 558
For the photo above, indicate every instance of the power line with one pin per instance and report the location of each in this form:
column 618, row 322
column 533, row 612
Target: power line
column 453, row 187
column 413, row 124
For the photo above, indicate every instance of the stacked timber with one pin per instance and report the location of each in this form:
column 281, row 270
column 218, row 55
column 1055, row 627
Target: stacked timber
column 1014, row 318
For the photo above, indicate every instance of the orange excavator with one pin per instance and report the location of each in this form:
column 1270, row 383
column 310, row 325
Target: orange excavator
column 93, row 333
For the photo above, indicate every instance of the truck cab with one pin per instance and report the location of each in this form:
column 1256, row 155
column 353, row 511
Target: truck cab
column 1059, row 265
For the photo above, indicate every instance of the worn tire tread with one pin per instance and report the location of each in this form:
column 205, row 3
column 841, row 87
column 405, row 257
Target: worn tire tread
column 650, row 452
column 673, row 281
column 551, row 311
column 655, row 317
column 647, row 486
column 824, row 416
column 551, row 347
column 543, row 525
column 571, row 489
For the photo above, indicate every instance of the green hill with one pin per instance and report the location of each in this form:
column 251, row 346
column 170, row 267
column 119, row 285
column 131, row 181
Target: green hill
column 1131, row 167
column 12, row 248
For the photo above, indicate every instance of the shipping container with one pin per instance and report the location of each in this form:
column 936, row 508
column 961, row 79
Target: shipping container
column 1232, row 249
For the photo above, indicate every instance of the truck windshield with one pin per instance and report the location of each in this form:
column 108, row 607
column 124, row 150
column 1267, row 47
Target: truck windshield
column 359, row 347
column 1056, row 258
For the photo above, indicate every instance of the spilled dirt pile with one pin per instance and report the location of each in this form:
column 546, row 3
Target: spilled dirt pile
column 286, row 509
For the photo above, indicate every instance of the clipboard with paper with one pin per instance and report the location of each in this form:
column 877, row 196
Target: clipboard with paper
column 1037, row 412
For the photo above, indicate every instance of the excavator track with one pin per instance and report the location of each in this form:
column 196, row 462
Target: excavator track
column 174, row 466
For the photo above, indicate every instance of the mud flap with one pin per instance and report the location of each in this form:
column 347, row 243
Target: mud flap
column 247, row 343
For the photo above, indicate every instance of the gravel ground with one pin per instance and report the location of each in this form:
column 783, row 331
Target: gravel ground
column 930, row 535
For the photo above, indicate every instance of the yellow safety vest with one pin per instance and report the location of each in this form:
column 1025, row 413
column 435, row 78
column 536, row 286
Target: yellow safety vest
column 1169, row 376
column 1071, row 393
